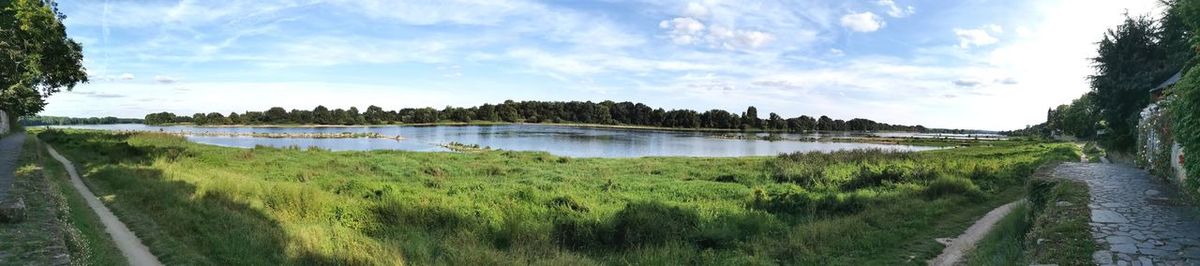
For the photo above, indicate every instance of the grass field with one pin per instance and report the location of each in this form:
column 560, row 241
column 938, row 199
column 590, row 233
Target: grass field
column 199, row 204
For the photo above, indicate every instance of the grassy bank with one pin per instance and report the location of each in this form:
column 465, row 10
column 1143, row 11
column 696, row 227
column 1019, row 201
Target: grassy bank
column 58, row 221
column 215, row 205
column 1051, row 228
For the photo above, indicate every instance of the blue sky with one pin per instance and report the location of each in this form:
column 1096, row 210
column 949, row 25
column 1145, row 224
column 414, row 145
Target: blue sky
column 960, row 64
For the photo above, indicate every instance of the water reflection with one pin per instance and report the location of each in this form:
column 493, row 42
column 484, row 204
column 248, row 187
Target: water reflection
column 559, row 140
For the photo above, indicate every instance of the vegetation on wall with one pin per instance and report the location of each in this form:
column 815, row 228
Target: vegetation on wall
column 606, row 112
column 1187, row 125
column 1186, row 107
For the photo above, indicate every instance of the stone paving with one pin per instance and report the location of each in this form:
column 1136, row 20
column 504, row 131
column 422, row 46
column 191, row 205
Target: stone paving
column 1135, row 219
column 10, row 150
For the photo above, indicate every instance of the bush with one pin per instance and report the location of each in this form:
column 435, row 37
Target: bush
column 948, row 185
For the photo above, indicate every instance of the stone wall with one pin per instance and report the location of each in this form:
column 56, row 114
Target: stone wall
column 1177, row 163
column 4, row 123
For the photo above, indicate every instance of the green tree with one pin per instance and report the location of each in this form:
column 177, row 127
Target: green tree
column 277, row 115
column 321, row 115
column 37, row 58
column 750, row 118
column 1130, row 61
column 374, row 115
column 776, row 122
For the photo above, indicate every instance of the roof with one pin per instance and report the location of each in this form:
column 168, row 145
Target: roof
column 1170, row 81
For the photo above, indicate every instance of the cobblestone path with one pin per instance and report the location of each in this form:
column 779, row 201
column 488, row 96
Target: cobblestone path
column 1135, row 219
column 10, row 149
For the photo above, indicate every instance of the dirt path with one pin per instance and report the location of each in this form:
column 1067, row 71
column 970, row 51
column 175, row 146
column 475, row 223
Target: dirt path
column 965, row 242
column 126, row 241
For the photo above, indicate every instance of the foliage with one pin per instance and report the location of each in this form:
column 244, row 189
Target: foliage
column 37, row 58
column 292, row 206
column 1041, row 230
column 1186, row 107
column 1132, row 59
column 1080, row 119
column 61, row 120
column 1059, row 233
column 1187, row 125
column 606, row 112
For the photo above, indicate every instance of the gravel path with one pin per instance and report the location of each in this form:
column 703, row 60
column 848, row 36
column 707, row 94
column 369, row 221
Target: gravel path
column 10, row 151
column 1135, row 217
column 129, row 244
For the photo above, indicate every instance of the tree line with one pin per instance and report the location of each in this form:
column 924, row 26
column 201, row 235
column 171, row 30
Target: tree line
column 62, row 120
column 606, row 113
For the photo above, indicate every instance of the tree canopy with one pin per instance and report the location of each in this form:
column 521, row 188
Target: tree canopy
column 607, row 112
column 1132, row 59
column 37, row 58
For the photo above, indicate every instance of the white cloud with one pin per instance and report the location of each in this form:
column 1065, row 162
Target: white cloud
column 697, row 10
column 686, row 31
column 165, row 79
column 126, row 76
column 895, row 10
column 683, row 30
column 862, row 22
column 836, row 52
column 974, row 37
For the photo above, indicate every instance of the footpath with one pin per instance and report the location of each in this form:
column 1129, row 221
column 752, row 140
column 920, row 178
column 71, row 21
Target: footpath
column 1137, row 219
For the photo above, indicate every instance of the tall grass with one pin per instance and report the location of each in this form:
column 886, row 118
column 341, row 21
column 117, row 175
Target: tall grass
column 215, row 205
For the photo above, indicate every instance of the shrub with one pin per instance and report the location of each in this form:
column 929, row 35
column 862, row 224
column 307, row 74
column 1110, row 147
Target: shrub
column 948, row 185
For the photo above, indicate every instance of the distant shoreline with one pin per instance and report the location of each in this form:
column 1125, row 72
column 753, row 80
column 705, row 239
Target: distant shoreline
column 488, row 123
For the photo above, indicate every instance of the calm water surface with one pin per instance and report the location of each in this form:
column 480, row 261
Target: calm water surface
column 558, row 140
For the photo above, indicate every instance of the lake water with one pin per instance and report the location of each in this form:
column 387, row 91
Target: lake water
column 558, row 140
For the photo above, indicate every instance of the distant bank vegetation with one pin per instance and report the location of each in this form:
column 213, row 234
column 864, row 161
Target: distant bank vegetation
column 606, row 113
column 61, row 120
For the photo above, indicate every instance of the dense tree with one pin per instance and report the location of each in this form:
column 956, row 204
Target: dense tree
column 37, row 58
column 277, row 115
column 776, row 122
column 322, row 116
column 825, row 123
column 375, row 115
column 606, row 112
column 750, row 118
column 1131, row 60
column 236, row 119
column 160, row 118
column 59, row 120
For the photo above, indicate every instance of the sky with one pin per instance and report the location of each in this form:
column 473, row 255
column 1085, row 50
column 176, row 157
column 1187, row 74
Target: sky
column 977, row 64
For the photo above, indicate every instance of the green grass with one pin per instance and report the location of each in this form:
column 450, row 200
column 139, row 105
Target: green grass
column 200, row 204
column 1005, row 244
column 1093, row 152
column 57, row 218
column 1041, row 231
column 1063, row 231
